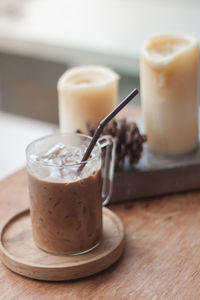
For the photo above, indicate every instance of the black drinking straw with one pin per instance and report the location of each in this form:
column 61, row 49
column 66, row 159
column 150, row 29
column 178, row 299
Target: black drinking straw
column 103, row 123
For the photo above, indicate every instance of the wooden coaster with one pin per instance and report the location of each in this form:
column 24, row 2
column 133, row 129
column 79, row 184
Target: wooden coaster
column 19, row 253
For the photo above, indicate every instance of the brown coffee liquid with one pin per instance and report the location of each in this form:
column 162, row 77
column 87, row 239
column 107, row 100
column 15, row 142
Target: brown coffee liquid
column 66, row 217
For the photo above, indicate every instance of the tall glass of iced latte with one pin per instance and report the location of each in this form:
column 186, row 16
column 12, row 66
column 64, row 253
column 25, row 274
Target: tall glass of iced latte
column 66, row 203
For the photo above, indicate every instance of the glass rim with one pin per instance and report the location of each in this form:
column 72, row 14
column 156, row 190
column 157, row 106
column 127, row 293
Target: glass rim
column 28, row 159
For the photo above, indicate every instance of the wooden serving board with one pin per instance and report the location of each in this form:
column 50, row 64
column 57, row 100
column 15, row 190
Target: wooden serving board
column 155, row 174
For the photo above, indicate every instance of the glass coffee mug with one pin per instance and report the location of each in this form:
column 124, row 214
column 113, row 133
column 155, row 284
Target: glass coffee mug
column 66, row 203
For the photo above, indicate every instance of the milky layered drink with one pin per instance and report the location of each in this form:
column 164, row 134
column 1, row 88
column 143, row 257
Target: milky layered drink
column 65, row 204
column 169, row 84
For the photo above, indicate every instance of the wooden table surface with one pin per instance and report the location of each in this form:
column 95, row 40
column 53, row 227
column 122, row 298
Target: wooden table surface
column 161, row 259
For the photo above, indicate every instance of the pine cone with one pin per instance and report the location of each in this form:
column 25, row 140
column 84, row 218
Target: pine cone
column 129, row 141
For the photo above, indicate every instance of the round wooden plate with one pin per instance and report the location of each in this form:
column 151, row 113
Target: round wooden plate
column 19, row 253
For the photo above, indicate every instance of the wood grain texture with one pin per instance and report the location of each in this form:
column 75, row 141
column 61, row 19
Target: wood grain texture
column 161, row 259
column 20, row 254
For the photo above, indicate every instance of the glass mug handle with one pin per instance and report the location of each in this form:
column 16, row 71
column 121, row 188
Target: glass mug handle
column 108, row 163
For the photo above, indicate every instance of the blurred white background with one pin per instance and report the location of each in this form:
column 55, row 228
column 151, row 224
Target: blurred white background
column 66, row 30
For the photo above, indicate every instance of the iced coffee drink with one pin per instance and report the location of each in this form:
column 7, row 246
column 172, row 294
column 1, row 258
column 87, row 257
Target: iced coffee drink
column 65, row 204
